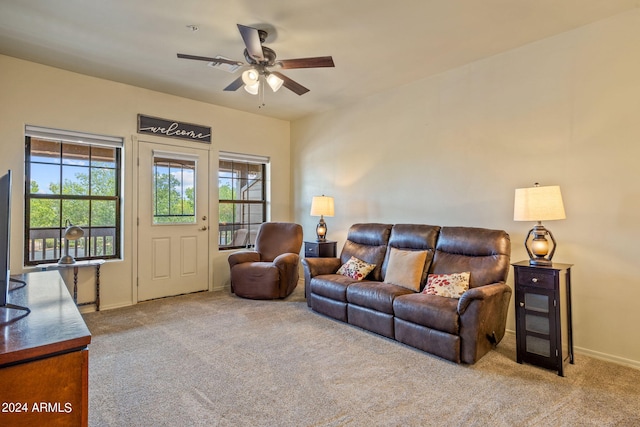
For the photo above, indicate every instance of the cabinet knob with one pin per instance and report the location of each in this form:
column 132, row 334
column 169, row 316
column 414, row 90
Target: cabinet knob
column 521, row 304
column 534, row 280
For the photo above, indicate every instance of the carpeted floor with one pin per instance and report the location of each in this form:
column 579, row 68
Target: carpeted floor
column 212, row 359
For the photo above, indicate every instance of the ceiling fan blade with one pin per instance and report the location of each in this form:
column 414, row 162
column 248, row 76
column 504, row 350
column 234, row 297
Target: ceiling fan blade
column 291, row 85
column 316, row 62
column 251, row 39
column 235, row 85
column 207, row 59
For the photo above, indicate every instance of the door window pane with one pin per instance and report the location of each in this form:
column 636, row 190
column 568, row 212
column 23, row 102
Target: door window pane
column 537, row 324
column 174, row 191
column 536, row 302
column 538, row 346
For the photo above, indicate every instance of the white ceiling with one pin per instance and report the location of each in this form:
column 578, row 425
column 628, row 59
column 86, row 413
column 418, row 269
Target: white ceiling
column 375, row 44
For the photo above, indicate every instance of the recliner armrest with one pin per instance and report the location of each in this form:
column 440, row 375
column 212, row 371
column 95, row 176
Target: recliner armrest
column 483, row 317
column 286, row 259
column 481, row 293
column 244, row 256
column 317, row 266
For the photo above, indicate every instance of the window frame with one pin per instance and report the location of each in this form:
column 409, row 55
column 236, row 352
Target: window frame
column 92, row 233
column 225, row 228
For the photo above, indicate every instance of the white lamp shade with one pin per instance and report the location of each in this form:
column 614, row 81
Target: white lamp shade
column 538, row 204
column 322, row 205
column 250, row 77
column 252, row 88
column 274, row 82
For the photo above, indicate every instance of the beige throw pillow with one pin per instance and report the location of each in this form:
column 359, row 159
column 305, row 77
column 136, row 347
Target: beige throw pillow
column 405, row 268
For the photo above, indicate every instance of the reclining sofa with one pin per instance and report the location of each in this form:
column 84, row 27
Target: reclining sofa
column 458, row 329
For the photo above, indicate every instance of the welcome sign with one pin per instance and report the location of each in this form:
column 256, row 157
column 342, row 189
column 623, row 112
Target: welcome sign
column 173, row 129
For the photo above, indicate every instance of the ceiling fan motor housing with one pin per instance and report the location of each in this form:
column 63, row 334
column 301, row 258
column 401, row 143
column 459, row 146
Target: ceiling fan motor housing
column 269, row 57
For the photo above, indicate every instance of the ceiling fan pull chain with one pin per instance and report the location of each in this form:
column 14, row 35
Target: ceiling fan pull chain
column 261, row 91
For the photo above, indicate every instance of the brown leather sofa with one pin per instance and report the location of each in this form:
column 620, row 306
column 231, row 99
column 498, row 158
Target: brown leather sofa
column 271, row 270
column 460, row 330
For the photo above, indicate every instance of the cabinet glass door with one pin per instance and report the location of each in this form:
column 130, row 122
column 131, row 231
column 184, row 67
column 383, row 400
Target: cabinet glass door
column 537, row 323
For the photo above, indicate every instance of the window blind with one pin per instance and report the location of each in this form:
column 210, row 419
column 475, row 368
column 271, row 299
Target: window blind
column 72, row 136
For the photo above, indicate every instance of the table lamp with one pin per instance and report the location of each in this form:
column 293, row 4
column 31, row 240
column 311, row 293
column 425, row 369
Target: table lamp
column 72, row 232
column 320, row 206
column 539, row 204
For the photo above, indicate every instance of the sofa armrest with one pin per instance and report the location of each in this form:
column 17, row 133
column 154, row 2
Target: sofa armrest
column 244, row 256
column 481, row 293
column 316, row 267
column 483, row 318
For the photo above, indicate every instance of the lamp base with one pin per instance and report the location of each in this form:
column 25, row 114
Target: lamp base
column 67, row 259
column 537, row 246
column 321, row 230
column 542, row 262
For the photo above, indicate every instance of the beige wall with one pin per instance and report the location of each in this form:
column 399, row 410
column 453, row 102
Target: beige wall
column 44, row 96
column 451, row 149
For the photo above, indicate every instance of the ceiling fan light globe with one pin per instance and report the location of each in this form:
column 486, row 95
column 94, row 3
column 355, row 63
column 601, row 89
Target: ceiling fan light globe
column 274, row 82
column 250, row 77
column 252, row 88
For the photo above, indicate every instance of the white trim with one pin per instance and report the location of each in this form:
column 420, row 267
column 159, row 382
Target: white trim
column 239, row 157
column 176, row 156
column 72, row 136
column 596, row 354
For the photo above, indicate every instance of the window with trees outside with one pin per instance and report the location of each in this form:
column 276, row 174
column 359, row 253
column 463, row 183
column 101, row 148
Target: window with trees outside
column 173, row 190
column 242, row 187
column 71, row 178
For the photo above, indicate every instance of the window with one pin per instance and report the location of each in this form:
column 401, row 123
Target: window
column 173, row 189
column 71, row 178
column 242, row 199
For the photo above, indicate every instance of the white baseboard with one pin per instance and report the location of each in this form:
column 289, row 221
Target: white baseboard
column 599, row 355
column 608, row 357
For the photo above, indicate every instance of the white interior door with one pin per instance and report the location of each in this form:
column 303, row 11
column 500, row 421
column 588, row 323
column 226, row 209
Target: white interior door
column 173, row 224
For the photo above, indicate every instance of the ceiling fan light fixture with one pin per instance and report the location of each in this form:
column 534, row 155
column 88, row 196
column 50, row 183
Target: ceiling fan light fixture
column 274, row 82
column 250, row 77
column 252, row 88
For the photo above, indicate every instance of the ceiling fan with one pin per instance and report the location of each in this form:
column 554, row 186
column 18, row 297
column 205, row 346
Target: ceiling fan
column 261, row 61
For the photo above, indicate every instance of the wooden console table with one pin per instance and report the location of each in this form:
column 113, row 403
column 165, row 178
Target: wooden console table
column 79, row 264
column 44, row 356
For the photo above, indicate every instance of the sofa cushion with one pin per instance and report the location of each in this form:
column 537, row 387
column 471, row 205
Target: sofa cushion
column 447, row 285
column 367, row 242
column 483, row 252
column 375, row 295
column 405, row 268
column 332, row 286
column 356, row 268
column 432, row 311
column 414, row 237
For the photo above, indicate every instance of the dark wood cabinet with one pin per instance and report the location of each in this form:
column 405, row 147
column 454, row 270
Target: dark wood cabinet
column 544, row 333
column 44, row 356
column 320, row 249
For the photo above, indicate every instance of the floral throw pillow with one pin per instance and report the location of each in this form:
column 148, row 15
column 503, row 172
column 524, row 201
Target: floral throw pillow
column 447, row 285
column 356, row 268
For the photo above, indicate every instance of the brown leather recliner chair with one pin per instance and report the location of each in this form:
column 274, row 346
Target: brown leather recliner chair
column 271, row 270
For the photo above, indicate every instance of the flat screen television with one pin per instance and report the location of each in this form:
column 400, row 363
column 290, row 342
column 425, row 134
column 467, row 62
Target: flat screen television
column 5, row 234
